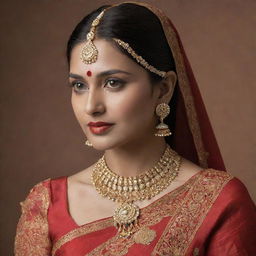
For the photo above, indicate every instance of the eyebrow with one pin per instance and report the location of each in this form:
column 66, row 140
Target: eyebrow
column 101, row 74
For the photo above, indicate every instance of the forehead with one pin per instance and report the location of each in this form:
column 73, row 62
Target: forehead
column 109, row 57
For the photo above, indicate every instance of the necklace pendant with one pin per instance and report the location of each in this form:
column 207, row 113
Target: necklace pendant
column 124, row 233
column 125, row 217
column 131, row 189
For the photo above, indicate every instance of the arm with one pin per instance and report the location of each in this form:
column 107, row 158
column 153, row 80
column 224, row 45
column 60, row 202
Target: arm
column 32, row 236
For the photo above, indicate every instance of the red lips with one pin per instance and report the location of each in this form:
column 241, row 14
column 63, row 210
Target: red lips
column 97, row 124
column 99, row 127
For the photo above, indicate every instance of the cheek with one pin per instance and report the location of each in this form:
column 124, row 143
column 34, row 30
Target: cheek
column 135, row 105
column 76, row 105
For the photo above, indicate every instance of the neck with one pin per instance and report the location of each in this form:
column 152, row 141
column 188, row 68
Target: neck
column 136, row 158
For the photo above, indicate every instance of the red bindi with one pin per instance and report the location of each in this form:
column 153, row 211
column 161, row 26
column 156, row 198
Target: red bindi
column 89, row 73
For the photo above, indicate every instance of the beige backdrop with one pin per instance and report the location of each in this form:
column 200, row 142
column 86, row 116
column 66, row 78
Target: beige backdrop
column 40, row 137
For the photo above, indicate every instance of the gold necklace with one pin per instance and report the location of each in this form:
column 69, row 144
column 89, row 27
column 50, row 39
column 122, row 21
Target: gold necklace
column 126, row 190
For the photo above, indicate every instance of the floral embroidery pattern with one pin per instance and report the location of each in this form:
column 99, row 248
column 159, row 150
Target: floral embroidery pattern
column 182, row 227
column 32, row 236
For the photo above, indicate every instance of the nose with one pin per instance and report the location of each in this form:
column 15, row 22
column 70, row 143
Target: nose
column 94, row 103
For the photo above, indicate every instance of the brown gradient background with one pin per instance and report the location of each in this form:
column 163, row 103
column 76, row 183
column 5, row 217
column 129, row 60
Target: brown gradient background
column 40, row 137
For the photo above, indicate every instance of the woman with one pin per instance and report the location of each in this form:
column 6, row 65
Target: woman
column 160, row 188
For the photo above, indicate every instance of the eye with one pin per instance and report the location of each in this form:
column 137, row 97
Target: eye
column 78, row 86
column 114, row 83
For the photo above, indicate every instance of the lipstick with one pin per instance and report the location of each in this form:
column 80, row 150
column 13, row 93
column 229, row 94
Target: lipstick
column 99, row 127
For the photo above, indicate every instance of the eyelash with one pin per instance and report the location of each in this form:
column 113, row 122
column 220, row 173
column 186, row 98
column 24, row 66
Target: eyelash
column 117, row 81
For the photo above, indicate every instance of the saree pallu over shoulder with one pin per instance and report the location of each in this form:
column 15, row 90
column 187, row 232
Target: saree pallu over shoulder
column 32, row 236
column 182, row 227
column 166, row 227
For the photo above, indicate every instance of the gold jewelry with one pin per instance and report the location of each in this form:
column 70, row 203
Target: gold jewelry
column 139, row 59
column 126, row 190
column 144, row 236
column 162, row 111
column 89, row 53
column 88, row 143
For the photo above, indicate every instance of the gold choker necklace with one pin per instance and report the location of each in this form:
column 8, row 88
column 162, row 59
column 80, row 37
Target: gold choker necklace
column 126, row 190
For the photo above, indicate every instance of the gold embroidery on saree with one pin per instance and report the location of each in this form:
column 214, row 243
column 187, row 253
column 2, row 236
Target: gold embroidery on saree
column 144, row 236
column 182, row 228
column 188, row 204
column 196, row 252
column 81, row 231
column 150, row 215
column 32, row 237
column 166, row 206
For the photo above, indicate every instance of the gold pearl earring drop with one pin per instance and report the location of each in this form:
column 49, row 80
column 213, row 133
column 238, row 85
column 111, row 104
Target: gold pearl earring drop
column 88, row 143
column 162, row 111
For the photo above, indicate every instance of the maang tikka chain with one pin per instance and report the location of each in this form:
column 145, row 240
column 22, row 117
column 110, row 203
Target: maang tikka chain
column 89, row 53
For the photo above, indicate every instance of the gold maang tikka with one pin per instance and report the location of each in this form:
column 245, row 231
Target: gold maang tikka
column 89, row 53
column 162, row 111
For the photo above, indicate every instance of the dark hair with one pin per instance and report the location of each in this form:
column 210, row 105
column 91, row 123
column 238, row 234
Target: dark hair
column 137, row 26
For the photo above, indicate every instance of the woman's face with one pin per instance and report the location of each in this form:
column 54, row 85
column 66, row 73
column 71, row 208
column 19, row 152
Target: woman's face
column 113, row 90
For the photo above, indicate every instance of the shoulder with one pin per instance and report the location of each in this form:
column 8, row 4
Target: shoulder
column 232, row 185
column 213, row 176
column 211, row 181
column 230, row 191
column 38, row 197
column 32, row 229
column 236, row 193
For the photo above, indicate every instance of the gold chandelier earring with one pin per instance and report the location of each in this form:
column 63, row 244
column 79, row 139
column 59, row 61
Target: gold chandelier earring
column 88, row 143
column 162, row 111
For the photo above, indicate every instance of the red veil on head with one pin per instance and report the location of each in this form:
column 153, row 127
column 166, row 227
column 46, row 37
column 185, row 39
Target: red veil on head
column 193, row 136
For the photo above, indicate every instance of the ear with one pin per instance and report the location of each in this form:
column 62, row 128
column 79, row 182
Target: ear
column 167, row 86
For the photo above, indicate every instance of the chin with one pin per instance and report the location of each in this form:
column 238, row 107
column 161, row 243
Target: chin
column 103, row 144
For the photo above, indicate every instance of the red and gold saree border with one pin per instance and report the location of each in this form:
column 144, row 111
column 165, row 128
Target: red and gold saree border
column 185, row 208
column 181, row 229
column 152, row 214
column 81, row 231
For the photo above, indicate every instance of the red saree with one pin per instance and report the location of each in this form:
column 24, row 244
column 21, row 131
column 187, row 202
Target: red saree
column 210, row 214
